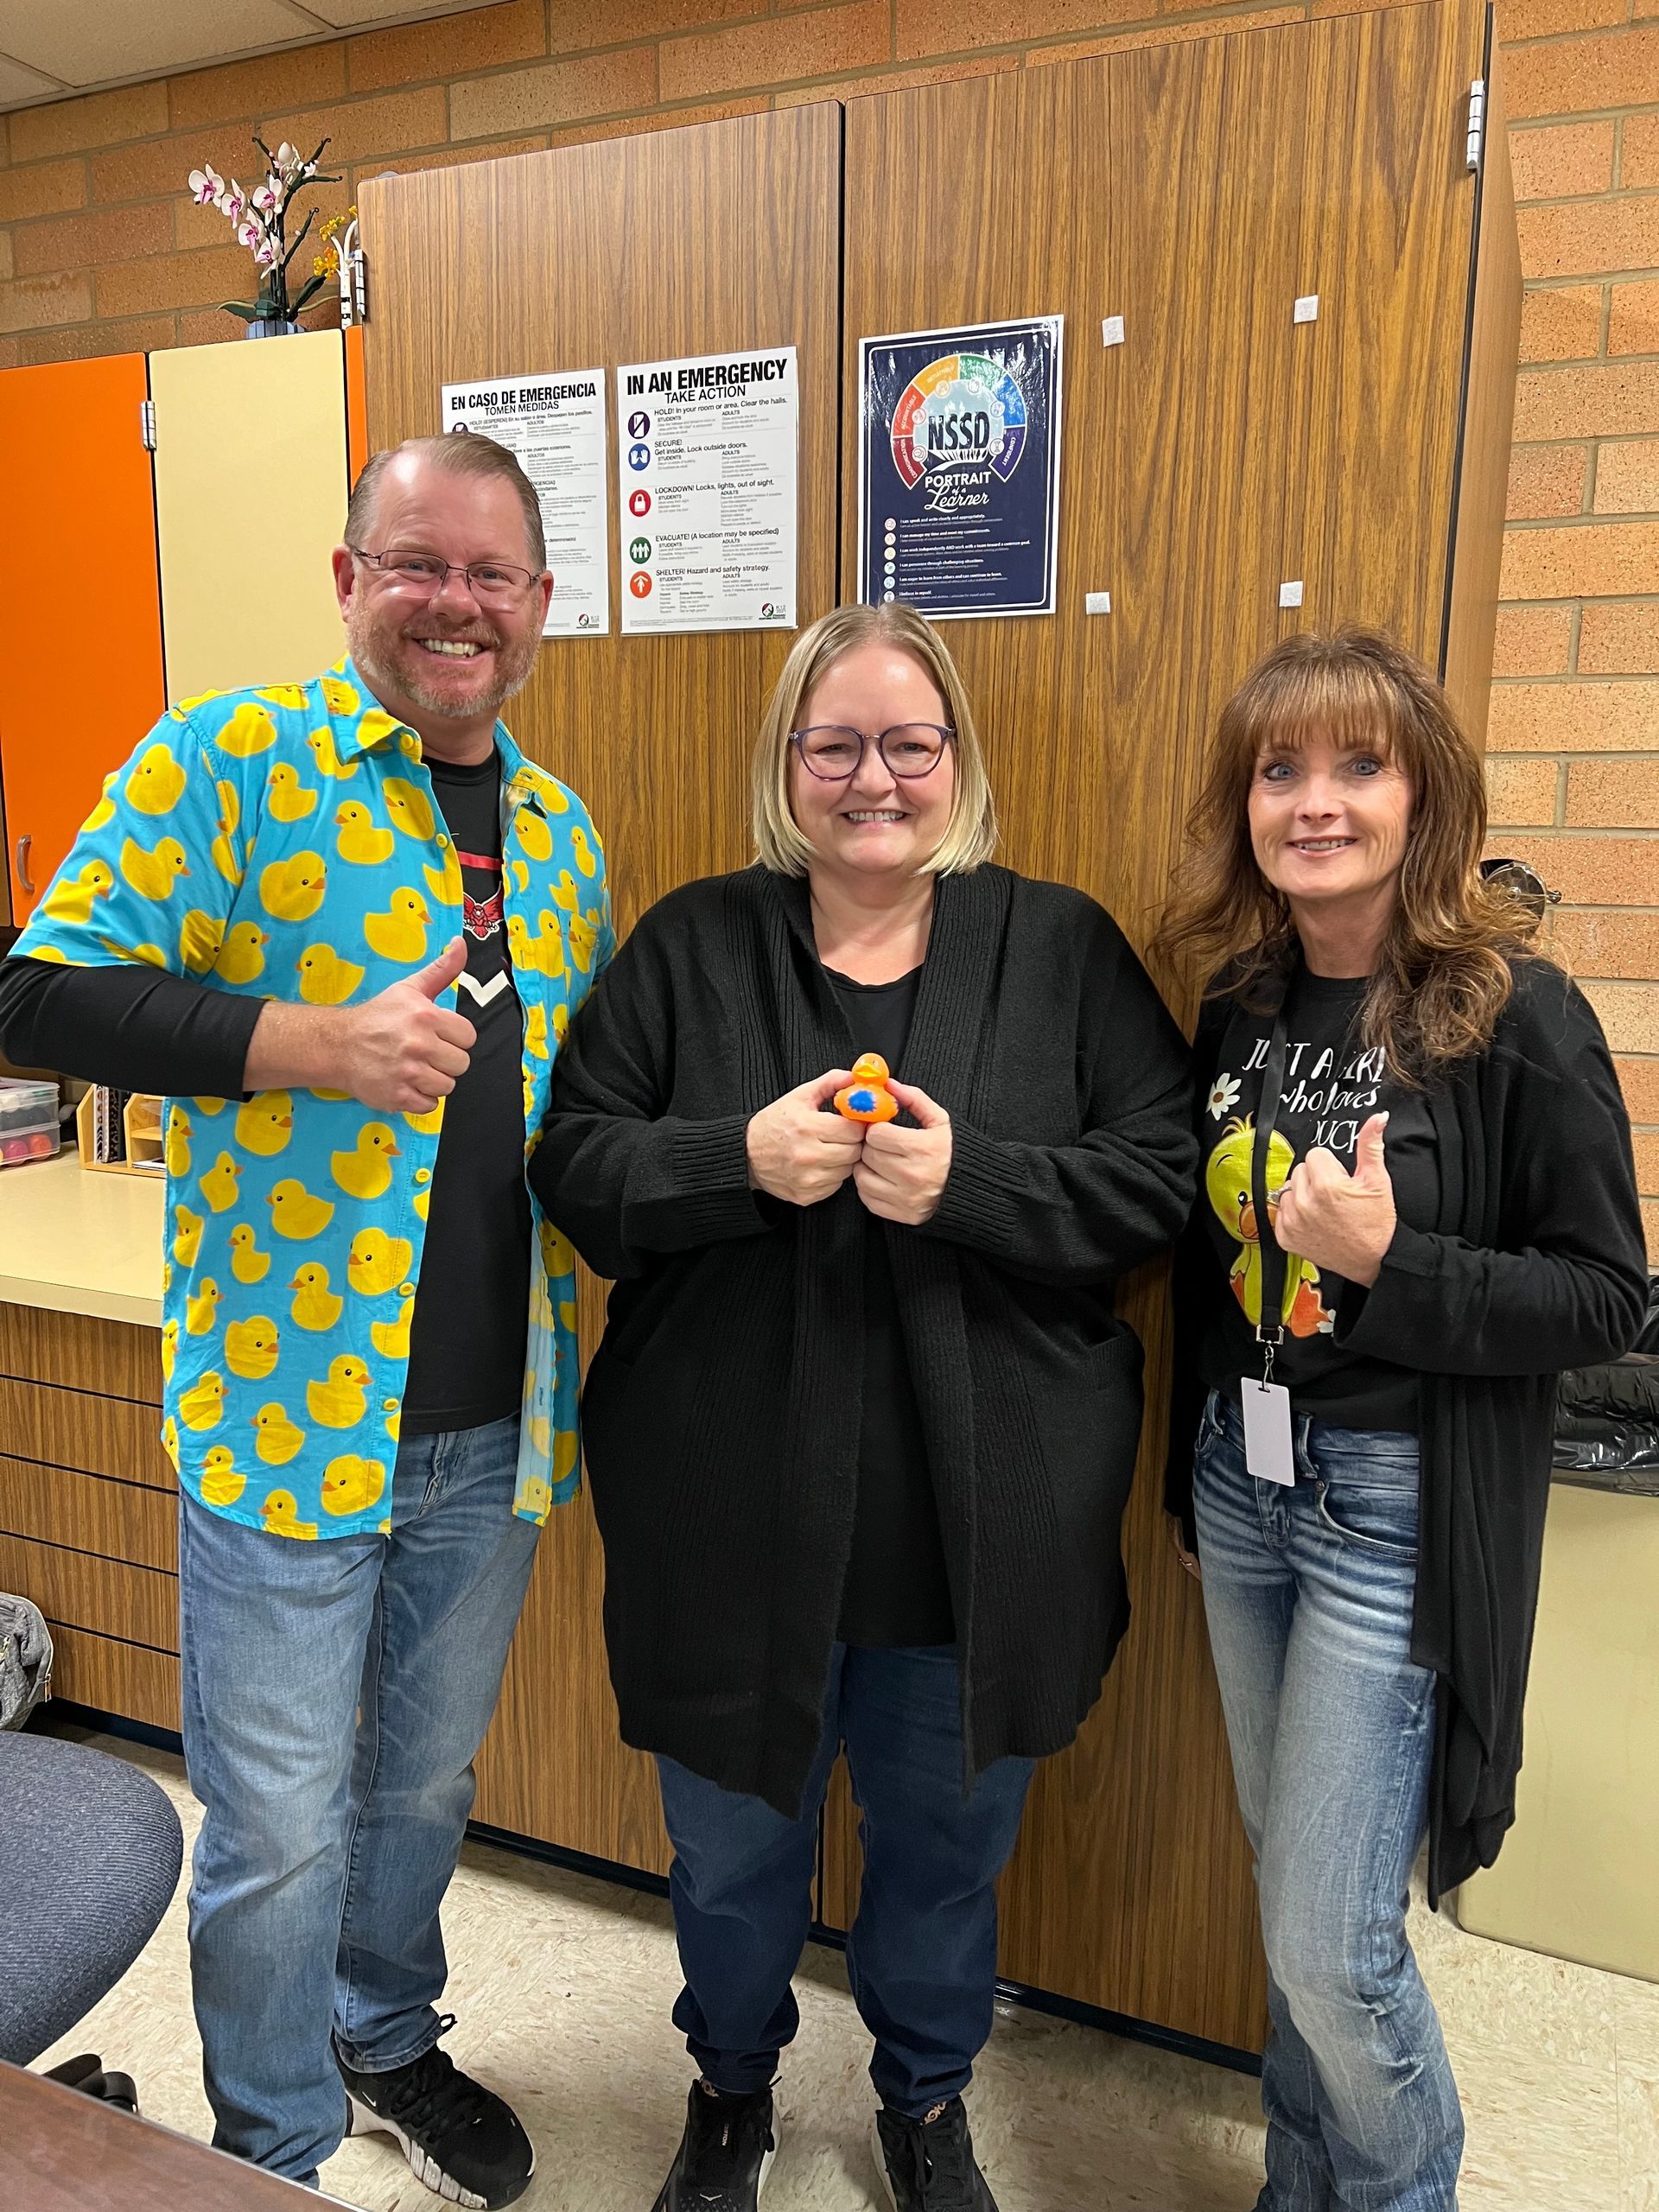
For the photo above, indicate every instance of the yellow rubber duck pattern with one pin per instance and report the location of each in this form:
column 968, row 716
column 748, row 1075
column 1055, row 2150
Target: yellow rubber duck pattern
column 285, row 842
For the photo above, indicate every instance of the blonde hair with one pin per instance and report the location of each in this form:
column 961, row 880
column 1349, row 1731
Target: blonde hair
column 971, row 832
column 1444, row 970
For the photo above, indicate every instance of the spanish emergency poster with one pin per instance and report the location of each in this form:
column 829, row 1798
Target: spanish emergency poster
column 959, row 468
column 555, row 427
column 706, row 469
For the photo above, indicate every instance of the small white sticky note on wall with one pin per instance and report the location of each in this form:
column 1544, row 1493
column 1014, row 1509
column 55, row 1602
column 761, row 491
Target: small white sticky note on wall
column 1290, row 594
column 1097, row 603
column 1306, row 308
column 1111, row 330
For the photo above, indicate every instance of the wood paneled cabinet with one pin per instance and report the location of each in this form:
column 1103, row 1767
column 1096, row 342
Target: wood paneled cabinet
column 1223, row 450
column 89, row 1506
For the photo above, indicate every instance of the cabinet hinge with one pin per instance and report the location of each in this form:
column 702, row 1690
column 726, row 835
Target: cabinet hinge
column 353, row 279
column 1476, row 142
column 147, row 424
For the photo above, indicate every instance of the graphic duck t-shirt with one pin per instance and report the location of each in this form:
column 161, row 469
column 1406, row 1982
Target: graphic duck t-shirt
column 1333, row 1085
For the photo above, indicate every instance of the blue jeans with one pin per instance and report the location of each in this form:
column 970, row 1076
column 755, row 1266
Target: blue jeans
column 1309, row 1594
column 335, row 1694
column 922, row 1954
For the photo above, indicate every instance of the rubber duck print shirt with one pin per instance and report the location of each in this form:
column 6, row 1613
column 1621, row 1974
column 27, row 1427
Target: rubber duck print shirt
column 285, row 843
column 1332, row 1086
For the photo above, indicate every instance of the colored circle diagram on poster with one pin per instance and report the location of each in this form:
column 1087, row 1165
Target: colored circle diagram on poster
column 959, row 468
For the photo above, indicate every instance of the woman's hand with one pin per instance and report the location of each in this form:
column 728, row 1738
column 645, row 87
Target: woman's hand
column 1340, row 1221
column 797, row 1151
column 903, row 1172
column 1177, row 1539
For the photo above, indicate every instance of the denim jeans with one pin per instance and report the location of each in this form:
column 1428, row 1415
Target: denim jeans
column 335, row 1694
column 1309, row 1595
column 922, row 1952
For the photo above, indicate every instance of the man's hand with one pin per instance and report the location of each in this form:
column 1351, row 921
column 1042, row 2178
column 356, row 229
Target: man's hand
column 903, row 1172
column 1340, row 1220
column 399, row 1051
column 797, row 1151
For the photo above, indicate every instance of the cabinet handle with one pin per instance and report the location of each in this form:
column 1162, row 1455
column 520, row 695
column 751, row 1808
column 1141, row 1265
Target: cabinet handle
column 23, row 844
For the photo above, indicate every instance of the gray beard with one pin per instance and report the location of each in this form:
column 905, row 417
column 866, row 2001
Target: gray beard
column 514, row 675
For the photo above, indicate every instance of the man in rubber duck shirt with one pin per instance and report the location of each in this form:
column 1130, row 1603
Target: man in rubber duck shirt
column 342, row 926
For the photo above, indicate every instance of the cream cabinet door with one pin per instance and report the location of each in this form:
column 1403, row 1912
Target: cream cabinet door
column 252, row 480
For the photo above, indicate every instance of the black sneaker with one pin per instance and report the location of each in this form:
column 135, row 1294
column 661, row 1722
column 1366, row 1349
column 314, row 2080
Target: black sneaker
column 928, row 2165
column 725, row 2154
column 461, row 2139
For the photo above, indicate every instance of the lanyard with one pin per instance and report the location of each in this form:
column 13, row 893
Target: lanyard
column 1270, row 1333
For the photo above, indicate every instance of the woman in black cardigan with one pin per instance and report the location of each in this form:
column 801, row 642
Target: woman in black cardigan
column 862, row 1424
column 1428, row 1120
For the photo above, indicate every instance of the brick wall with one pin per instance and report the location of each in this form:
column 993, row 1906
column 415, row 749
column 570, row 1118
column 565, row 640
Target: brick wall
column 101, row 251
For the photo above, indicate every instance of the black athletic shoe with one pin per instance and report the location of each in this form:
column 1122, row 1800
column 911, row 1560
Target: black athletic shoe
column 461, row 2139
column 725, row 2154
column 928, row 2165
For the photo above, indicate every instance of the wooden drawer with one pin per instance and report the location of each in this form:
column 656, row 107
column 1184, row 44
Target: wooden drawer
column 114, row 1359
column 114, row 1677
column 105, row 1595
column 71, row 1428
column 89, row 1513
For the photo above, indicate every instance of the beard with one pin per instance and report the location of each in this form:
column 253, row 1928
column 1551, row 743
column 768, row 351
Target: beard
column 373, row 641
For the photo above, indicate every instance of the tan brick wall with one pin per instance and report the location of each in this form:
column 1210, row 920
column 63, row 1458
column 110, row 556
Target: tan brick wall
column 101, row 251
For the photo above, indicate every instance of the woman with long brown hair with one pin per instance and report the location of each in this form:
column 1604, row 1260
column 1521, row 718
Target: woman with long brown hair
column 1417, row 1205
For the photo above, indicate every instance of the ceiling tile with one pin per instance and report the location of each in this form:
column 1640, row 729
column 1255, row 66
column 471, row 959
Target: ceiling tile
column 349, row 15
column 19, row 82
column 99, row 46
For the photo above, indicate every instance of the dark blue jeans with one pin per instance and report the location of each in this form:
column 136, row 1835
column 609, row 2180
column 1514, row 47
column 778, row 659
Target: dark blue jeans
column 922, row 1954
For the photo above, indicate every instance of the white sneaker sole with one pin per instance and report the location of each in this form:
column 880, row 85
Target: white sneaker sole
column 426, row 2169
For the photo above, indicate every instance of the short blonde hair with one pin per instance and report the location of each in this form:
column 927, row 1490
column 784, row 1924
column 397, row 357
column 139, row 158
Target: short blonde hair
column 970, row 834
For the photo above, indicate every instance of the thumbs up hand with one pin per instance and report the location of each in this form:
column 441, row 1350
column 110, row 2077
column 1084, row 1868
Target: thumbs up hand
column 402, row 1050
column 1342, row 1221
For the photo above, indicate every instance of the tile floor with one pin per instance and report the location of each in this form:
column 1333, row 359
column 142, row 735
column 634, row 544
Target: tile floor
column 562, row 1984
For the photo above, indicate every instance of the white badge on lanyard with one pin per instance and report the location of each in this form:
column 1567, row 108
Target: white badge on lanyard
column 1269, row 1451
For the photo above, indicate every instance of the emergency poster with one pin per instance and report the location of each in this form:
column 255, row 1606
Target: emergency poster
column 959, row 468
column 554, row 426
column 706, row 468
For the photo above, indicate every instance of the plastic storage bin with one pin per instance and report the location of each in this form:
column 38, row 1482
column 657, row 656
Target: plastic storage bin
column 28, row 1122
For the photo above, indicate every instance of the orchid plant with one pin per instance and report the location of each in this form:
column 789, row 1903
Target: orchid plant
column 260, row 220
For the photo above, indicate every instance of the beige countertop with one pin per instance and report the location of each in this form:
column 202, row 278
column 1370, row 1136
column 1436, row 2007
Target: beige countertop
column 76, row 1239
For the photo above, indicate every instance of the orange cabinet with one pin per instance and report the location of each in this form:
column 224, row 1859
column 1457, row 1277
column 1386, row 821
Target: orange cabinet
column 83, row 676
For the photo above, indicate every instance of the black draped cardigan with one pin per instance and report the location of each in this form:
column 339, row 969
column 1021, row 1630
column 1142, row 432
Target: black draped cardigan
column 721, row 1413
column 1536, row 1263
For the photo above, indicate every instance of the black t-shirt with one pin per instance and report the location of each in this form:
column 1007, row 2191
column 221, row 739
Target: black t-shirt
column 896, row 1593
column 466, row 1346
column 1332, row 1088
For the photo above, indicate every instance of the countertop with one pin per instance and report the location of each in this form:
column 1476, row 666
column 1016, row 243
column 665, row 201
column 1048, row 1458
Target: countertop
column 77, row 1240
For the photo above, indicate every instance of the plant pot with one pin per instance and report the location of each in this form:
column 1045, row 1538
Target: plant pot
column 273, row 326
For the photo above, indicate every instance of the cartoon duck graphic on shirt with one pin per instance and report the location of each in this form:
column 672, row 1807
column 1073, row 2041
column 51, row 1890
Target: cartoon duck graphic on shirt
column 1227, row 1180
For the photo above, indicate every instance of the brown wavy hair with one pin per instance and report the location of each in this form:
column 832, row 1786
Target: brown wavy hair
column 1445, row 970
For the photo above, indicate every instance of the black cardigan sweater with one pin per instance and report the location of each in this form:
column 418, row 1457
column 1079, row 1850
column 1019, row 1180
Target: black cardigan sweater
column 721, row 1412
column 1537, row 1264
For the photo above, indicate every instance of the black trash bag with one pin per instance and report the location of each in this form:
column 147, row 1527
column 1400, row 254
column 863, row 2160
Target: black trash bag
column 1607, row 1418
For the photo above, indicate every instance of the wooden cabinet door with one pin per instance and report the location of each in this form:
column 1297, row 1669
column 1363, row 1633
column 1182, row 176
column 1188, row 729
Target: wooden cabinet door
column 705, row 239
column 1197, row 190
column 79, row 551
column 252, row 482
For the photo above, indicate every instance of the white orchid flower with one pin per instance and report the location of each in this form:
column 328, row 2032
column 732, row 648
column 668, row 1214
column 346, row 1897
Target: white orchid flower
column 250, row 234
column 206, row 186
column 288, row 158
column 233, row 200
column 265, row 199
column 264, row 254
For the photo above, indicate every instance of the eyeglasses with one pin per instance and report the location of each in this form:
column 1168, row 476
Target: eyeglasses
column 908, row 750
column 498, row 581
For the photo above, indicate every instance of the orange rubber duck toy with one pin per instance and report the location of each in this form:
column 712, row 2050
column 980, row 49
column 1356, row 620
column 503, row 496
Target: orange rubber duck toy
column 866, row 1097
